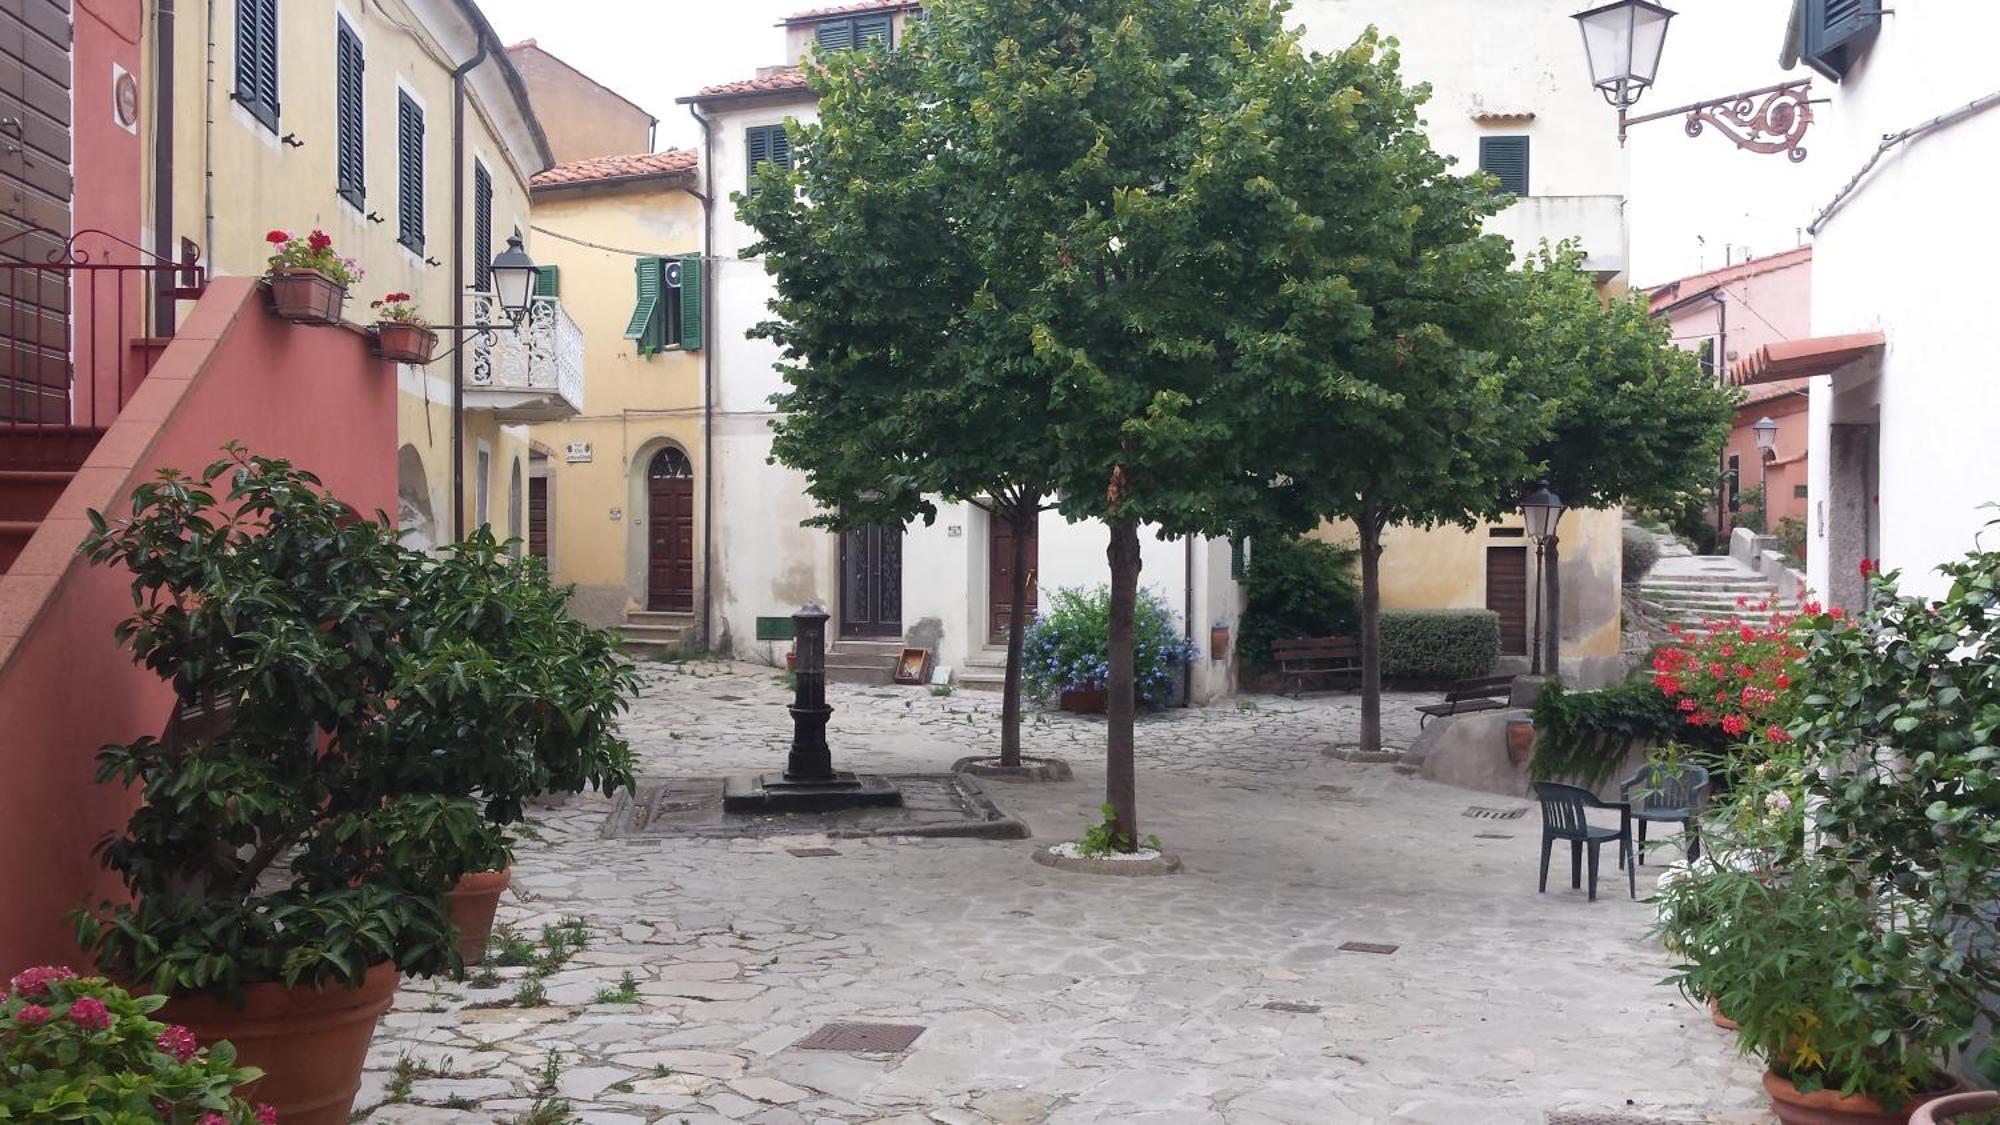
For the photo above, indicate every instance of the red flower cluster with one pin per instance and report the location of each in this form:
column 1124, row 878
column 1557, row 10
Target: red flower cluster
column 31, row 983
column 277, row 237
column 319, row 240
column 89, row 1013
column 179, row 1042
column 1733, row 674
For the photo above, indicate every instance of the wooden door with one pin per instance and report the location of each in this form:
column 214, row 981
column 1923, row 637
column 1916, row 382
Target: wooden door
column 538, row 517
column 1000, row 578
column 670, row 533
column 1507, row 595
column 871, row 582
column 35, row 191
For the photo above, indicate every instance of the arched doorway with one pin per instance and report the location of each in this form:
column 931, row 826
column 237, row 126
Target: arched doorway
column 670, row 532
column 413, row 501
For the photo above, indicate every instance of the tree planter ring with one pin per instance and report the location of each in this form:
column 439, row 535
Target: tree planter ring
column 405, row 342
column 1831, row 1107
column 306, row 296
column 310, row 1043
column 473, row 902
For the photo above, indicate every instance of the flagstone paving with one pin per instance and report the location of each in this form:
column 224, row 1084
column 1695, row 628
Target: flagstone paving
column 1219, row 995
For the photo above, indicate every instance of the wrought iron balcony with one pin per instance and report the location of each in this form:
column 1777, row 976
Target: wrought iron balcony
column 534, row 374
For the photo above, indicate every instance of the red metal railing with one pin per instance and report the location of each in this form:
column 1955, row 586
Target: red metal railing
column 72, row 324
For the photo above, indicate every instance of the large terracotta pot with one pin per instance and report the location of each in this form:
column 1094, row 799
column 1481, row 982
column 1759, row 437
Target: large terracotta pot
column 1084, row 701
column 405, row 342
column 1520, row 740
column 1953, row 1106
column 310, row 1043
column 1715, row 1016
column 1831, row 1107
column 473, row 902
column 306, row 296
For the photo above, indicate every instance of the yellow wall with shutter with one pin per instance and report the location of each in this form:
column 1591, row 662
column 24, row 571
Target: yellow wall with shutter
column 637, row 405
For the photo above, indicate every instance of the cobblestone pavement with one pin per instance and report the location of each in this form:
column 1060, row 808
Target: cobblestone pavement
column 1219, row 995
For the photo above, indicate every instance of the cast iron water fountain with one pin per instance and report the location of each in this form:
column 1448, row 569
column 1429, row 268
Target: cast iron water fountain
column 809, row 783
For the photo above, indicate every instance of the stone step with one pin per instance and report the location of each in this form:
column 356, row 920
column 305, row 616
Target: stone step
column 654, row 617
column 1745, row 583
column 845, row 674
column 635, row 632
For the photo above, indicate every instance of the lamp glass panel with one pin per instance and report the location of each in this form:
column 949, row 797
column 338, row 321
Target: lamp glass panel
column 1649, row 37
column 1607, row 40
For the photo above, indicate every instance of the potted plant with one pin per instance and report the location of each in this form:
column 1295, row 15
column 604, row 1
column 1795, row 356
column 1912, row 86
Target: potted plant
column 285, row 869
column 82, row 1049
column 400, row 334
column 1066, row 652
column 308, row 281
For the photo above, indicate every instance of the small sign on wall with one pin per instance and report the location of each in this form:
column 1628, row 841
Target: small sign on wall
column 617, row 513
column 577, row 452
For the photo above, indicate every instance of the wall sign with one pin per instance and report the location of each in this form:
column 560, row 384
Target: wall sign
column 617, row 513
column 577, row 452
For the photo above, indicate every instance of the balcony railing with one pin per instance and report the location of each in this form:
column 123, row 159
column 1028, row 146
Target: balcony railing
column 533, row 374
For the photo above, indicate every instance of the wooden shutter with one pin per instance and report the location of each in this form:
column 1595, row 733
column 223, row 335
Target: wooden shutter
column 834, row 35
column 1835, row 32
column 547, row 282
column 409, row 173
column 482, row 228
column 257, row 59
column 691, row 302
column 646, row 273
column 351, row 171
column 872, row 31
column 1507, row 158
column 757, row 146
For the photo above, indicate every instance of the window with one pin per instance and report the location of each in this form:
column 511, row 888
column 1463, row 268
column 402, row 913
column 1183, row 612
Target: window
column 409, row 173
column 548, row 281
column 1507, row 158
column 257, row 59
column 482, row 467
column 1239, row 558
column 1837, row 32
column 1733, row 480
column 767, row 144
column 667, row 310
column 1798, row 492
column 482, row 228
column 1706, row 353
column 854, row 31
column 350, row 167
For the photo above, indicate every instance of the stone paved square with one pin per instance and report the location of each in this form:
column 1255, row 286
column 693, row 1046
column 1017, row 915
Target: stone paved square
column 1218, row 995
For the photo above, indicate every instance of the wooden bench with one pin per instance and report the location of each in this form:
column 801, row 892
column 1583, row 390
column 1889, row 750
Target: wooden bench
column 1487, row 694
column 1304, row 658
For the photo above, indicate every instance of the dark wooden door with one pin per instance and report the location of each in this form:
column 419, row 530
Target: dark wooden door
column 35, row 191
column 871, row 582
column 670, row 533
column 538, row 517
column 1507, row 595
column 1000, row 578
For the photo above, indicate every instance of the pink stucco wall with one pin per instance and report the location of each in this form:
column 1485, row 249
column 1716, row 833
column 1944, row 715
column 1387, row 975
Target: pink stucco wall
column 313, row 395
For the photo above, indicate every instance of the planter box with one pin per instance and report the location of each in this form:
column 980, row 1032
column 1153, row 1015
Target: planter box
column 306, row 296
column 405, row 342
column 1084, row 701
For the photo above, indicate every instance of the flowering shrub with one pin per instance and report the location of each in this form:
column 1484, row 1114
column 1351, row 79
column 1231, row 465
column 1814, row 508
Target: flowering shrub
column 1738, row 675
column 82, row 1049
column 312, row 252
column 1069, row 646
column 398, row 308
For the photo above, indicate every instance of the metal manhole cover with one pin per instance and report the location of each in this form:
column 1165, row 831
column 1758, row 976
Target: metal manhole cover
column 1367, row 947
column 1296, row 1006
column 885, row 1038
column 811, row 853
column 1481, row 812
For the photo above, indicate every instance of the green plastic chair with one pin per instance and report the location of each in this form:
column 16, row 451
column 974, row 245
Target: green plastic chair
column 1563, row 818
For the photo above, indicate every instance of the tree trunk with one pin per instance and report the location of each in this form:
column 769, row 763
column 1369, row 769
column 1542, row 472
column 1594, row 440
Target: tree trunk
column 1554, row 612
column 1020, row 517
column 1120, row 698
column 1371, row 634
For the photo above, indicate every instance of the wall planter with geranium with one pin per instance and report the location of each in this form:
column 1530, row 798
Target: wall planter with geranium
column 400, row 334
column 1066, row 653
column 308, row 281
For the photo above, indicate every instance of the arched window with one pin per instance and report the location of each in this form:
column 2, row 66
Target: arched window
column 670, row 464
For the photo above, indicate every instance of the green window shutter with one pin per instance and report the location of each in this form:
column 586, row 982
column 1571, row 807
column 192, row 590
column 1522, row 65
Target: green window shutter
column 547, row 282
column 872, row 31
column 350, row 177
column 482, row 228
column 1507, row 158
column 257, row 59
column 834, row 35
column 691, row 302
column 409, row 173
column 647, row 276
column 1834, row 34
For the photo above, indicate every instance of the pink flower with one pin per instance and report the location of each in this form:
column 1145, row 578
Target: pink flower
column 213, row 1119
column 90, row 1014
column 1776, row 733
column 31, row 1015
column 1836, row 613
column 179, row 1042
column 267, row 1114
column 1687, row 704
column 36, row 981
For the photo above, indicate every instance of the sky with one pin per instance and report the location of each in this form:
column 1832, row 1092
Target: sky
column 653, row 51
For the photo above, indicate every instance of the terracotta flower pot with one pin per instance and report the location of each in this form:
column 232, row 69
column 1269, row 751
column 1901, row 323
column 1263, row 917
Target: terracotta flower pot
column 306, row 296
column 1831, row 1107
column 1520, row 740
column 309, row 1042
column 405, row 342
column 1083, row 701
column 1715, row 1016
column 473, row 902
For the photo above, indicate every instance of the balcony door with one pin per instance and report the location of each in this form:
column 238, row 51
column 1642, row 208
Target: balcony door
column 670, row 533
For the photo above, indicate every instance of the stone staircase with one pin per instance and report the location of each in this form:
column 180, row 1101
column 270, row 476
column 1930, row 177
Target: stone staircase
column 1689, row 590
column 648, row 634
column 36, row 464
column 853, row 660
column 984, row 670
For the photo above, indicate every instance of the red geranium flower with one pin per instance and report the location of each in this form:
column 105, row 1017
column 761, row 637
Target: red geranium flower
column 319, row 240
column 277, row 236
column 1867, row 567
column 1734, row 724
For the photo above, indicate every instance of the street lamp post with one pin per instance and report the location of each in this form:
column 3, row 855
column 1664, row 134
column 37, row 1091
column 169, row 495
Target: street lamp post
column 1767, row 452
column 1541, row 511
column 513, row 283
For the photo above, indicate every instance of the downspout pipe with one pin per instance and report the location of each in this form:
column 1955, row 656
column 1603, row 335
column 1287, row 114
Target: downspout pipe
column 163, row 165
column 708, row 342
column 458, row 289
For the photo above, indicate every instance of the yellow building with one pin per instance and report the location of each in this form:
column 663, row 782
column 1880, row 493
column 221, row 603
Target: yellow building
column 617, row 495
column 401, row 129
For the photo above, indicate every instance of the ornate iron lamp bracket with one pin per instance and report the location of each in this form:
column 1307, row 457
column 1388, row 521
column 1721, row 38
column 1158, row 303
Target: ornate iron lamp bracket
column 1769, row 119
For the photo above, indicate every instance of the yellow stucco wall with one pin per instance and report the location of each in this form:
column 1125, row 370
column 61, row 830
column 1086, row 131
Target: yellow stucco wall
column 637, row 404
column 582, row 117
column 236, row 179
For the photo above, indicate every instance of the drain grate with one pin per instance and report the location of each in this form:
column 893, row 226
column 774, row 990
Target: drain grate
column 1298, row 1007
column 1481, row 812
column 862, row 1037
column 1493, row 835
column 811, row 853
column 1367, row 947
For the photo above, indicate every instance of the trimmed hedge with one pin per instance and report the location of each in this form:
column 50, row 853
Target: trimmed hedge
column 1642, row 551
column 1440, row 644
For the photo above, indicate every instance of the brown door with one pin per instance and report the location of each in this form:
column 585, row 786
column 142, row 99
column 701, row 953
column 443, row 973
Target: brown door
column 670, row 533
column 1507, row 595
column 871, row 582
column 1000, row 578
column 34, row 208
column 538, row 517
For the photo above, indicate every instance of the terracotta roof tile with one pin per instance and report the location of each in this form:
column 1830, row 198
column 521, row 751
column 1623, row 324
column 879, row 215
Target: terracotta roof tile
column 848, row 9
column 600, row 169
column 1674, row 292
column 1815, row 355
column 777, row 82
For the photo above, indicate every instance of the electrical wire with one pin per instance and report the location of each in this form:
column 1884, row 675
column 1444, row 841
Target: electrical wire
column 1977, row 105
